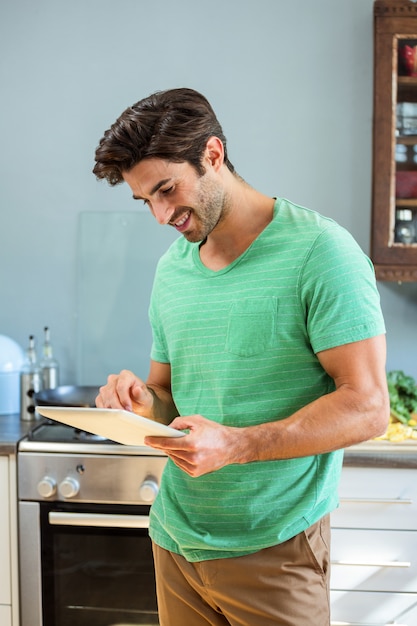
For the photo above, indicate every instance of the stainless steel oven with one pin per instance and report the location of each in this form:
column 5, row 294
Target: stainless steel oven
column 85, row 554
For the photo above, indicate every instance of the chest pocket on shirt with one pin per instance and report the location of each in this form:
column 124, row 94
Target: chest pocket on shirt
column 252, row 326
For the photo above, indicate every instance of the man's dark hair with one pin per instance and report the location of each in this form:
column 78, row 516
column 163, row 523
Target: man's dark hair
column 174, row 125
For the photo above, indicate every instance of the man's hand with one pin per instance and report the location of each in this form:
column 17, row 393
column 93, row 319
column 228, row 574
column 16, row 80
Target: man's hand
column 152, row 399
column 125, row 391
column 209, row 446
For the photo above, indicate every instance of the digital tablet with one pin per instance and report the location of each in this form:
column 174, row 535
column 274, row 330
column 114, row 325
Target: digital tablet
column 115, row 424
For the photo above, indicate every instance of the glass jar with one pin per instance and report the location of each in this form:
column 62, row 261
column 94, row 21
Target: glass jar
column 405, row 231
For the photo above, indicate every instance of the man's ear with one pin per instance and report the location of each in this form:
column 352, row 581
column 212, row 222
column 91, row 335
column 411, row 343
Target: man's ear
column 215, row 152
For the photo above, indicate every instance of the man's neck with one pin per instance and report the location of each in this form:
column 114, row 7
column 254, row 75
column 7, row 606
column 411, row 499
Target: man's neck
column 249, row 214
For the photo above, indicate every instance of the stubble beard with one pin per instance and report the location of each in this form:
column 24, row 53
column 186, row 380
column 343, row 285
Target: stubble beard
column 213, row 207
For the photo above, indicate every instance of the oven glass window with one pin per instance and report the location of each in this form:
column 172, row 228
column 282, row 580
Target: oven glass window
column 95, row 576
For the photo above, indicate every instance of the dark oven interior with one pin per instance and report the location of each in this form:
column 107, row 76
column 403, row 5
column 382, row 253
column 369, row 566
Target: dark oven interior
column 94, row 576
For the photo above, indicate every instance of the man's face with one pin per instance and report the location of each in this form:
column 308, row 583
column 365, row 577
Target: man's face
column 178, row 196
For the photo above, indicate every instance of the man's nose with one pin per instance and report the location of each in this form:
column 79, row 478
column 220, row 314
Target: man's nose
column 162, row 211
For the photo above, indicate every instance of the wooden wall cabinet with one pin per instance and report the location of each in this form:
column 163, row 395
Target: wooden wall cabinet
column 394, row 189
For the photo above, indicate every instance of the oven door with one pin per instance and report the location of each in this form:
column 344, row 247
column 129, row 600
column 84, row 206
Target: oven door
column 95, row 565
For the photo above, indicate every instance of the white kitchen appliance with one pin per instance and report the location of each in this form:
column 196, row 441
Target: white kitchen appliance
column 12, row 358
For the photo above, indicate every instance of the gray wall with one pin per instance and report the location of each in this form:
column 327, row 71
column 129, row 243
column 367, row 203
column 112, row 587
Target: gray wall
column 291, row 83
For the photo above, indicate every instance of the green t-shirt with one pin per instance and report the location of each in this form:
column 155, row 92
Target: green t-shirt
column 242, row 344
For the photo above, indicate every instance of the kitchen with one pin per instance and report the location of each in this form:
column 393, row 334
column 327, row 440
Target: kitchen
column 311, row 63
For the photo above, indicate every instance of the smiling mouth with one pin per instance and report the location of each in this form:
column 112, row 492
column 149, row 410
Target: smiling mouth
column 180, row 223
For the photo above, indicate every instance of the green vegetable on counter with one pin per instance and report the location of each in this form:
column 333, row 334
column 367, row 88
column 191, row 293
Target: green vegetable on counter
column 403, row 395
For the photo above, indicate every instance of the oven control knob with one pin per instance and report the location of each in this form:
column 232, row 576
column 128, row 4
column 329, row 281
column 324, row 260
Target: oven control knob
column 69, row 487
column 149, row 489
column 46, row 487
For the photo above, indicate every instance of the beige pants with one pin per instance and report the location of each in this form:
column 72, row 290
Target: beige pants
column 287, row 585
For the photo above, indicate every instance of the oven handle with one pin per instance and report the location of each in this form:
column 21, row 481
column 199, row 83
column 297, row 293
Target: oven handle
column 98, row 520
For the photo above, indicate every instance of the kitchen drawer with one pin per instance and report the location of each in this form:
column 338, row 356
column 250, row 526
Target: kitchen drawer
column 377, row 560
column 377, row 498
column 5, row 564
column 5, row 615
column 376, row 609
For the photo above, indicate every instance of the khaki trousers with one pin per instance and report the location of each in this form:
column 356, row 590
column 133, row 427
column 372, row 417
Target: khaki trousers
column 286, row 585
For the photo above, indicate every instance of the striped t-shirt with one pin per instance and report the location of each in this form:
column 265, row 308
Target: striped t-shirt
column 242, row 344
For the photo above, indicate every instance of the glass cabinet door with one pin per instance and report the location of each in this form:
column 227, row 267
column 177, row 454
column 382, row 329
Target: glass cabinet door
column 394, row 210
column 405, row 207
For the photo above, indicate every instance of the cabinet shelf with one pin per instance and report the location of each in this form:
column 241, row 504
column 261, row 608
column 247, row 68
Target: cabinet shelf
column 406, row 202
column 407, row 81
column 407, row 140
column 395, row 26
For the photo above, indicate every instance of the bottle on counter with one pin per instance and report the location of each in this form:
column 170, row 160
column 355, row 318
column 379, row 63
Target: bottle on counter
column 30, row 383
column 49, row 365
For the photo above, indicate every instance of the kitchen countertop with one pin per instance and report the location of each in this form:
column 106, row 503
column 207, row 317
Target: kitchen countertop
column 12, row 429
column 369, row 454
column 382, row 454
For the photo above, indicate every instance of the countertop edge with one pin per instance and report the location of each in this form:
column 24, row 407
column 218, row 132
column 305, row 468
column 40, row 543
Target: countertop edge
column 382, row 454
column 367, row 454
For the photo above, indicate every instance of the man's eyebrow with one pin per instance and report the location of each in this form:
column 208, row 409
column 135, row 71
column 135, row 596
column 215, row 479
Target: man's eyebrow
column 154, row 189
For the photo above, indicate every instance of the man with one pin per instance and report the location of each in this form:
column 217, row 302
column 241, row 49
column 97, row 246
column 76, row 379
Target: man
column 268, row 349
